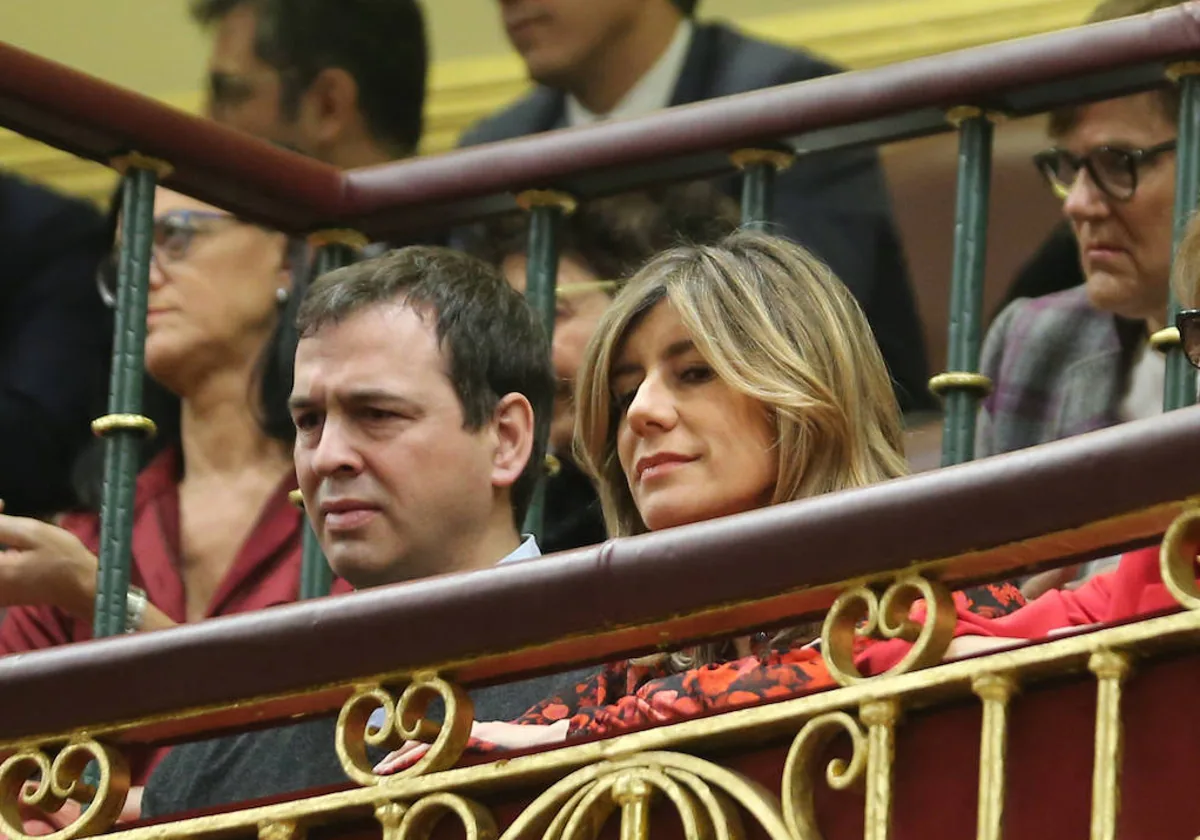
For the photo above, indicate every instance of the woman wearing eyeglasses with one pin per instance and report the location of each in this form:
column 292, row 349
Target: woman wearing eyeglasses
column 1079, row 360
column 214, row 532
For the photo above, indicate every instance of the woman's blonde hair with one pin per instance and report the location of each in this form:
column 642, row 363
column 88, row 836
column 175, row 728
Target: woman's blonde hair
column 1185, row 271
column 777, row 325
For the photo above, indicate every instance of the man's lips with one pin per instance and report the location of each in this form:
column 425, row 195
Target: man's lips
column 347, row 514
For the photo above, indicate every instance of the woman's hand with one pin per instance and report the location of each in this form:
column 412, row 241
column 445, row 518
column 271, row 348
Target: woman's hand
column 42, row 564
column 508, row 736
column 37, row 824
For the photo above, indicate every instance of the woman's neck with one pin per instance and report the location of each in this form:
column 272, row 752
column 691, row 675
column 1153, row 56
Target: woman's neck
column 219, row 432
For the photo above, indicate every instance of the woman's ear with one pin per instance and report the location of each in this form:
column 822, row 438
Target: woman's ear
column 514, row 429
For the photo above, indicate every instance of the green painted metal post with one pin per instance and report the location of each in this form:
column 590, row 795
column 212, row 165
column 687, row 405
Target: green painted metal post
column 316, row 578
column 546, row 211
column 1180, row 386
column 759, row 167
column 962, row 385
column 123, row 427
column 758, row 195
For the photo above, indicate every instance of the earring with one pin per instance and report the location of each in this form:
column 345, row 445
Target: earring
column 282, row 295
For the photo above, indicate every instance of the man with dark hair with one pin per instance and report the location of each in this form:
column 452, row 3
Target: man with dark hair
column 617, row 59
column 342, row 81
column 600, row 246
column 416, row 451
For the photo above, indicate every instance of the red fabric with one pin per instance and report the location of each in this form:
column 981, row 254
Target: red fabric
column 623, row 695
column 1134, row 588
column 266, row 571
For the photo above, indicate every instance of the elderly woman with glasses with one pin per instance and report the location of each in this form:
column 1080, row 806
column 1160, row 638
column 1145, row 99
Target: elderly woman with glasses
column 1079, row 360
column 214, row 532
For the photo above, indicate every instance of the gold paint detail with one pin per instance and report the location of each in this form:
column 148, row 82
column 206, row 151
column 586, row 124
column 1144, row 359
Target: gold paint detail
column 880, row 717
column 776, row 158
column 994, row 690
column 296, row 497
column 1179, row 69
column 706, row 798
column 553, row 466
column 800, row 769
column 144, row 426
column 419, row 820
column 29, row 778
column 1177, row 558
column 137, row 160
column 530, row 199
column 1111, row 668
column 958, row 115
column 958, row 380
column 338, row 236
column 280, row 830
column 1166, row 339
column 404, row 720
column 860, row 612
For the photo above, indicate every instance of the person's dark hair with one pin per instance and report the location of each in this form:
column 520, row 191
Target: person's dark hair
column 1062, row 120
column 615, row 236
column 492, row 339
column 380, row 43
column 688, row 7
column 272, row 385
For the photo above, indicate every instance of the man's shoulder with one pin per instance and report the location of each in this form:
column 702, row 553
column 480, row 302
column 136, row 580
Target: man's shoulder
column 742, row 62
column 1037, row 315
column 538, row 110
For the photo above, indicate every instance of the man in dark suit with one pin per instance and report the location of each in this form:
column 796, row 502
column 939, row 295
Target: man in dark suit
column 626, row 58
column 57, row 336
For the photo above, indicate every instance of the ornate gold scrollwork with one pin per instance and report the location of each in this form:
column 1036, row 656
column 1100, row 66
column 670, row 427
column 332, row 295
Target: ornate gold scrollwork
column 1177, row 558
column 705, row 796
column 404, row 720
column 281, row 830
column 859, row 612
column 417, row 821
column 800, row 769
column 31, row 779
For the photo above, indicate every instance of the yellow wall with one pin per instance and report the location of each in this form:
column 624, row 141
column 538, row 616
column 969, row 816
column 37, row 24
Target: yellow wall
column 151, row 46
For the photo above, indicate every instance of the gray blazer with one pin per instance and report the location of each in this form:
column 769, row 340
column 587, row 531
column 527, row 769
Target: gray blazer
column 1058, row 366
column 835, row 203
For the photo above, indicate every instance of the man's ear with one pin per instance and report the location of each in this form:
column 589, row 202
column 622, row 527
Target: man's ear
column 330, row 106
column 513, row 427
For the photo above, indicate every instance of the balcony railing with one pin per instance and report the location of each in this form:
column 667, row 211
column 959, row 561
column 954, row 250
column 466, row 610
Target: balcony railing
column 954, row 762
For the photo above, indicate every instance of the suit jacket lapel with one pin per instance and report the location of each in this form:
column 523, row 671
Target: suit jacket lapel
column 1090, row 395
column 695, row 80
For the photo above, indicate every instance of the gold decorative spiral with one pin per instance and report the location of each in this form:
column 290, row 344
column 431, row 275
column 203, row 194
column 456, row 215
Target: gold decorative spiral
column 404, row 720
column 859, row 612
column 418, row 821
column 144, row 426
column 800, row 769
column 530, row 199
column 30, row 779
column 352, row 239
column 1165, row 339
column 706, row 797
column 1177, row 558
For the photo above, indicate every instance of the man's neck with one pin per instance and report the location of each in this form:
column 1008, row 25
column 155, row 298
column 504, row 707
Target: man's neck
column 614, row 71
column 359, row 152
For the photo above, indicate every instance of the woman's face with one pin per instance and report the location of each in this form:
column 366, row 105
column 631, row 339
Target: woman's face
column 580, row 302
column 214, row 291
column 691, row 447
column 1125, row 246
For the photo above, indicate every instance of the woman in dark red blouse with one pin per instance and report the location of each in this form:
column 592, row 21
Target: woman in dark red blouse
column 722, row 379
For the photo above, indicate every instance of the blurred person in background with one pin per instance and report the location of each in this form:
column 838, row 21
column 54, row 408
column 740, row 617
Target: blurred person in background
column 628, row 58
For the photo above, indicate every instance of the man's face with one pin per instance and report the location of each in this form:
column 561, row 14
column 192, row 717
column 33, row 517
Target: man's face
column 563, row 39
column 394, row 485
column 244, row 92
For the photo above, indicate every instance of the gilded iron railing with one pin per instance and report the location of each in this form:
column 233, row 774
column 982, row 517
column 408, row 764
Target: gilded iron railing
column 866, row 555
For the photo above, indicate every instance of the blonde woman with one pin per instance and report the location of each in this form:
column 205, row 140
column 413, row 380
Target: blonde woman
column 723, row 379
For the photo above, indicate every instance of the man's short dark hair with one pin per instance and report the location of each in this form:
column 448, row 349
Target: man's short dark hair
column 614, row 236
column 380, row 43
column 493, row 342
